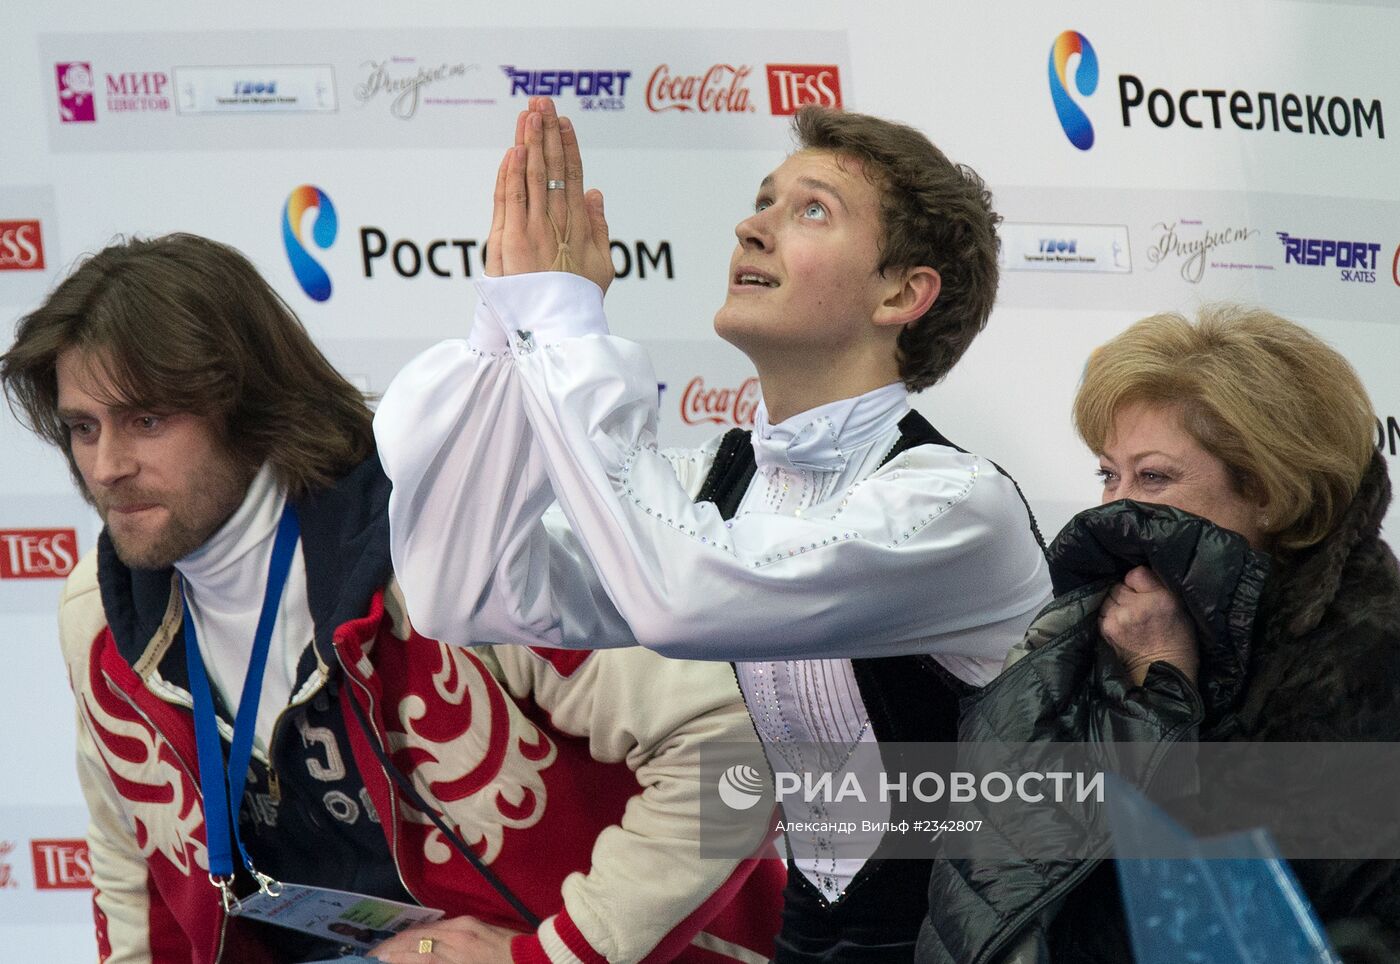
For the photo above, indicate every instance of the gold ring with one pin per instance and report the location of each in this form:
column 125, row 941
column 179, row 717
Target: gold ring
column 425, row 945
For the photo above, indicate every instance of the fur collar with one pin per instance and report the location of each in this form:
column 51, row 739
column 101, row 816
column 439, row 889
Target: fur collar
column 1309, row 580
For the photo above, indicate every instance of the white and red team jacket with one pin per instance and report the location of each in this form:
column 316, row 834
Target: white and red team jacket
column 572, row 774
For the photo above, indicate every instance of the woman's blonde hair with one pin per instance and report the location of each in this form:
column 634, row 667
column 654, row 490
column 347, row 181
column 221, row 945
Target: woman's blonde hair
column 1284, row 411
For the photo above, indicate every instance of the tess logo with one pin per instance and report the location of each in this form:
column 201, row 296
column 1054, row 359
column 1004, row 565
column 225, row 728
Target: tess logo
column 1086, row 78
column 37, row 553
column 791, row 86
column 21, row 246
column 61, row 865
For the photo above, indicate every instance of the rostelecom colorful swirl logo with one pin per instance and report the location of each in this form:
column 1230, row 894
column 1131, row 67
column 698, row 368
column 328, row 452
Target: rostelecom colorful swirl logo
column 310, row 275
column 1086, row 79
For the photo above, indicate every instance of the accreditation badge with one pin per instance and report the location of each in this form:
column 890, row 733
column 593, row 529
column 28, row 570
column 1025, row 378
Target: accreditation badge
column 355, row 920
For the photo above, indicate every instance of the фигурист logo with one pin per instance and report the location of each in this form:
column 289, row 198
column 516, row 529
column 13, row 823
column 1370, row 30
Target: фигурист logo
column 1086, row 79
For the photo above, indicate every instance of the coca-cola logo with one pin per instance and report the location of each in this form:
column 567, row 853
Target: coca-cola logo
column 61, row 865
column 21, row 246
column 723, row 89
column 37, row 553
column 719, row 406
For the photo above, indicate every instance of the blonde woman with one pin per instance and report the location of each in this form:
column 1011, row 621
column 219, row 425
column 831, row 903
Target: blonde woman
column 1237, row 574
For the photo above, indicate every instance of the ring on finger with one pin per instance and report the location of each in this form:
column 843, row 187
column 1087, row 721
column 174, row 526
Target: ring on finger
column 554, row 184
column 425, row 945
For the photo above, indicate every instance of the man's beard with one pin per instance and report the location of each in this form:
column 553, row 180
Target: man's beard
column 189, row 522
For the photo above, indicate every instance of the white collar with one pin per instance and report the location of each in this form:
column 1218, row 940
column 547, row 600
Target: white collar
column 820, row 438
column 219, row 569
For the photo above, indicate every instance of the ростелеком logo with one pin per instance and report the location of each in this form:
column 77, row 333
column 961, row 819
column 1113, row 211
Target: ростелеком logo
column 309, row 273
column 1086, row 79
column 740, row 787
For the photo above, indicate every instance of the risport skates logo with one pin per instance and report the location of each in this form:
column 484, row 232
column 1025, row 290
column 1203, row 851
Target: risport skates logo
column 1086, row 80
column 309, row 274
column 1354, row 261
column 595, row 89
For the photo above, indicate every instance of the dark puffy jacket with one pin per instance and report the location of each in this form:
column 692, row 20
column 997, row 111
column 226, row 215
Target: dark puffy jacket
column 1262, row 678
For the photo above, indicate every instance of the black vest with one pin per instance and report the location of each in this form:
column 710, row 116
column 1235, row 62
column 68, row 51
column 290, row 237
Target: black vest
column 910, row 699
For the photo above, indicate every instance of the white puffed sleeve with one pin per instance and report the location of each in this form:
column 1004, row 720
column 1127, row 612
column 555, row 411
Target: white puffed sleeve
column 932, row 545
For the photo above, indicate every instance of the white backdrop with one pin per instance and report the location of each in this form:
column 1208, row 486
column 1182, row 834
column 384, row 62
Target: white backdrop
column 206, row 118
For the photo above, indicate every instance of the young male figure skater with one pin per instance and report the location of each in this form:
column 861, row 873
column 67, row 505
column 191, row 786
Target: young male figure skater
column 860, row 571
column 231, row 462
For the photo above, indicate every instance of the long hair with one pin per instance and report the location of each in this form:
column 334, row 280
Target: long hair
column 184, row 324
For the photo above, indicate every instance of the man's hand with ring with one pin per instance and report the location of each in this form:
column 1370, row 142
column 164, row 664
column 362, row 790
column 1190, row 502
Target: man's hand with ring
column 461, row 940
column 542, row 219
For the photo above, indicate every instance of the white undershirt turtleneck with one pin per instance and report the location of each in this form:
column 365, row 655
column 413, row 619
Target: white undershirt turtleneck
column 224, row 582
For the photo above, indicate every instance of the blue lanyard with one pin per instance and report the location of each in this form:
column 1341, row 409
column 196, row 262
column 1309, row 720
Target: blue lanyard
column 223, row 797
